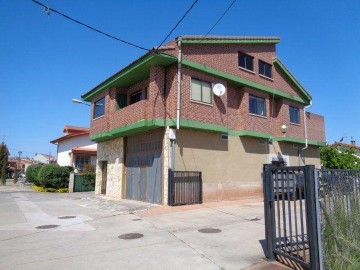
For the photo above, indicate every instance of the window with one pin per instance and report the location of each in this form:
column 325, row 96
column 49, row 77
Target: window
column 257, row 105
column 265, row 69
column 201, row 91
column 121, row 101
column 81, row 161
column 99, row 108
column 138, row 95
column 294, row 115
column 246, row 61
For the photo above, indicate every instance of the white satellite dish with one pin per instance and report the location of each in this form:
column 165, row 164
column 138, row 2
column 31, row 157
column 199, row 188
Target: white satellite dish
column 219, row 89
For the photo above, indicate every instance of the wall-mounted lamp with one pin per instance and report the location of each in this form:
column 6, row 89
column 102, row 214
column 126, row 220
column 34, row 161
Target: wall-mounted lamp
column 283, row 129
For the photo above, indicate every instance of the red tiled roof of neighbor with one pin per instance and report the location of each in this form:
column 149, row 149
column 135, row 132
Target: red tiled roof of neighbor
column 229, row 37
column 84, row 150
column 75, row 129
column 48, row 156
column 345, row 145
column 66, row 137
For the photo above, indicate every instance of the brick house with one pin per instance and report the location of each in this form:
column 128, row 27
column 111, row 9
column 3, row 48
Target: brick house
column 227, row 137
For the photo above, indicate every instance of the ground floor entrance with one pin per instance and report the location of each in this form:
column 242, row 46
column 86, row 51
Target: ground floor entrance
column 143, row 162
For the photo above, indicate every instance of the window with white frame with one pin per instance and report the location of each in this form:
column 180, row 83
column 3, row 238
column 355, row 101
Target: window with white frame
column 201, row 91
column 257, row 105
column 99, row 108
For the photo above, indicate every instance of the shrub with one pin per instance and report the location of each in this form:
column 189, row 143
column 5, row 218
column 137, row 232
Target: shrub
column 53, row 176
column 89, row 168
column 37, row 188
column 69, row 168
column 32, row 173
column 88, row 179
column 63, row 190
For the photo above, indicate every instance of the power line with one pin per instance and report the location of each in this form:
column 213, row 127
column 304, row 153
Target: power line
column 221, row 17
column 177, row 24
column 47, row 10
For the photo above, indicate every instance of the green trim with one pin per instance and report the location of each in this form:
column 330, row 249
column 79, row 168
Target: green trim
column 135, row 72
column 137, row 127
column 242, row 82
column 299, row 140
column 256, row 134
column 291, row 77
column 147, row 125
column 230, row 41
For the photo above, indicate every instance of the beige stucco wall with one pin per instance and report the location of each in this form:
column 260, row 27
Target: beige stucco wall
column 113, row 152
column 231, row 169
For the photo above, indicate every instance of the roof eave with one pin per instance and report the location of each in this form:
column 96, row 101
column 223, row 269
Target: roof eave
column 147, row 59
column 277, row 62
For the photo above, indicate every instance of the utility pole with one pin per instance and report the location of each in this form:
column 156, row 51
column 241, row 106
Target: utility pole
column 19, row 160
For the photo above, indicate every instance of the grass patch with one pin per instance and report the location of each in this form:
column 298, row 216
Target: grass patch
column 341, row 233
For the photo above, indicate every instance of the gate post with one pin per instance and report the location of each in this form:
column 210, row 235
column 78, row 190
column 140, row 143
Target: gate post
column 71, row 182
column 269, row 211
column 311, row 216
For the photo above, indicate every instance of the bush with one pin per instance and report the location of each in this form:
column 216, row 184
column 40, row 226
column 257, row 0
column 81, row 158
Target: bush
column 54, row 176
column 89, row 168
column 63, row 190
column 32, row 173
column 89, row 179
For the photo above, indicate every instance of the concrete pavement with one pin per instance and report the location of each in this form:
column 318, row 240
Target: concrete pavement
column 86, row 229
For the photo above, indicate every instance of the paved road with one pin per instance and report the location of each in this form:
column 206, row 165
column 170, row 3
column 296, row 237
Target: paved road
column 87, row 233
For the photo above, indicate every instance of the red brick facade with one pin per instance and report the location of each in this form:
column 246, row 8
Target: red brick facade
column 230, row 110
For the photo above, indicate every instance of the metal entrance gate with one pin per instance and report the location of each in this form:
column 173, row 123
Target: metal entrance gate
column 291, row 214
column 144, row 167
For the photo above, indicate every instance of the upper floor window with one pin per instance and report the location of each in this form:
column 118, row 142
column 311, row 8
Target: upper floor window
column 257, row 105
column 121, row 101
column 265, row 69
column 201, row 91
column 246, row 61
column 99, row 108
column 138, row 95
column 294, row 115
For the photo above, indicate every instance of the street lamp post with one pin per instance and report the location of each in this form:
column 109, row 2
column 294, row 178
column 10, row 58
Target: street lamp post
column 80, row 101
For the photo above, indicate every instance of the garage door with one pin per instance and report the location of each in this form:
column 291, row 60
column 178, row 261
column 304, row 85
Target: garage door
column 144, row 167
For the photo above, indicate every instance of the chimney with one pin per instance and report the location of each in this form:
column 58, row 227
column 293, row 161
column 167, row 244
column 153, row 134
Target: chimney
column 353, row 141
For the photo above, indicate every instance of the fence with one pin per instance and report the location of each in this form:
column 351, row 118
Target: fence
column 339, row 196
column 84, row 183
column 185, row 187
column 290, row 214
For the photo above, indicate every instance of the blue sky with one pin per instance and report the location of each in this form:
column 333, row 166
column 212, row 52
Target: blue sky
column 45, row 61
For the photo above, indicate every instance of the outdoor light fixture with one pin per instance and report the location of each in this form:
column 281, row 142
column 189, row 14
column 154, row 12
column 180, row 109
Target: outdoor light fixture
column 283, row 129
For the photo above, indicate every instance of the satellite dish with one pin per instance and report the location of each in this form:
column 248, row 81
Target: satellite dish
column 219, row 89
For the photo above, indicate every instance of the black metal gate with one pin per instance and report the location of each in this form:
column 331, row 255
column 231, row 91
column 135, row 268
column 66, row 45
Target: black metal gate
column 185, row 188
column 291, row 214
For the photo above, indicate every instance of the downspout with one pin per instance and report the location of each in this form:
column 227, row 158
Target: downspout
column 179, row 85
column 305, row 132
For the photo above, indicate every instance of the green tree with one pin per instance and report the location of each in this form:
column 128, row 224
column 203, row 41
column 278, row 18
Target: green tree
column 15, row 175
column 3, row 162
column 331, row 158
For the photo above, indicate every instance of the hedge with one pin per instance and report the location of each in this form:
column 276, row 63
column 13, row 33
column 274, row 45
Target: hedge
column 32, row 173
column 53, row 176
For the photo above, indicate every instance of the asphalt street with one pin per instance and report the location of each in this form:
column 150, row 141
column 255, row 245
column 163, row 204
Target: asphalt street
column 81, row 231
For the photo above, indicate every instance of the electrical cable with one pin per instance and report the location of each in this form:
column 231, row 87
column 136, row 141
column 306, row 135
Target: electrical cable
column 47, row 10
column 177, row 24
column 221, row 17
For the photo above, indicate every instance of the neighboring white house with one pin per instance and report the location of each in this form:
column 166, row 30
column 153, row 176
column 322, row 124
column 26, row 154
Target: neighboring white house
column 43, row 159
column 75, row 148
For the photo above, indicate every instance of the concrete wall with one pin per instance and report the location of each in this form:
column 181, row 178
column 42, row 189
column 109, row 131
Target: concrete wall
column 64, row 149
column 113, row 152
column 231, row 169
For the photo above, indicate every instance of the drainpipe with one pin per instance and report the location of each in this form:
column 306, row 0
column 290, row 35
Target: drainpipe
column 179, row 85
column 305, row 132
